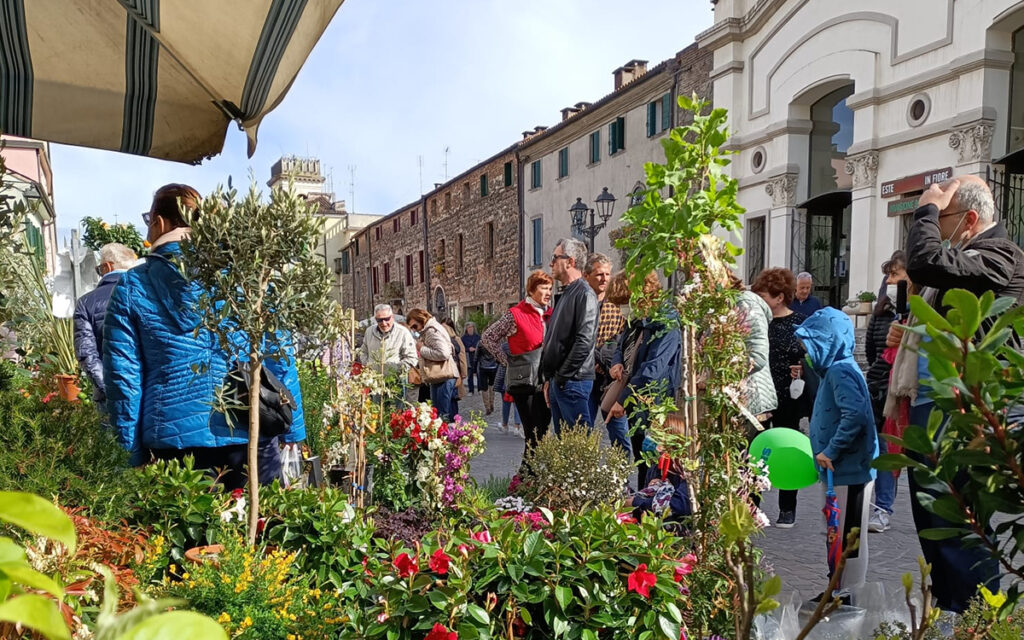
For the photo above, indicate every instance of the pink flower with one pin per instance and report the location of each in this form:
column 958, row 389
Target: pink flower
column 382, row 617
column 626, row 518
column 641, row 581
column 464, row 550
column 406, row 565
column 441, row 632
column 439, row 562
column 483, row 537
column 685, row 567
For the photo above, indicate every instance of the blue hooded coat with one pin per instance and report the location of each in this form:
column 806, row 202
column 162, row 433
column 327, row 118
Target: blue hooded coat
column 161, row 375
column 842, row 425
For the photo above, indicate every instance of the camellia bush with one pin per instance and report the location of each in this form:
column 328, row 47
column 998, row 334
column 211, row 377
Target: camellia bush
column 973, row 441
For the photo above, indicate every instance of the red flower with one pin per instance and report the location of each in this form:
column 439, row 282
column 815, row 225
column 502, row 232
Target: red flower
column 366, row 569
column 685, row 567
column 514, row 483
column 236, row 494
column 357, row 368
column 464, row 550
column 625, row 518
column 406, row 565
column 641, row 581
column 441, row 632
column 439, row 562
column 482, row 537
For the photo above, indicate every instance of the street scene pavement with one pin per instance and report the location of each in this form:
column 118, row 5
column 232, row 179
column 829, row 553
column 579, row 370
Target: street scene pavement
column 797, row 555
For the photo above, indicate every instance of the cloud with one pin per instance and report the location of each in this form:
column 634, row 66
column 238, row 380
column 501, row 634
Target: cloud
column 391, row 83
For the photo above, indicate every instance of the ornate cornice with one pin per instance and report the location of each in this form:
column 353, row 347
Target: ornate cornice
column 974, row 142
column 782, row 189
column 864, row 169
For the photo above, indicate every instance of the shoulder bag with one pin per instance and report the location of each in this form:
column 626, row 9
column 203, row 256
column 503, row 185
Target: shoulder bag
column 276, row 402
column 437, row 371
column 524, row 372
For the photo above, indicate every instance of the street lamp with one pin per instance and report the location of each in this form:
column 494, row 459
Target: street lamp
column 579, row 211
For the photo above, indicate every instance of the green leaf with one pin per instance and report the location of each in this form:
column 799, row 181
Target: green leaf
column 893, row 461
column 38, row 613
column 916, row 439
column 531, row 543
column 944, row 507
column 980, row 368
column 588, row 634
column 941, row 533
column 25, row 575
column 772, row 586
column 926, row 315
column 561, row 626
column 674, row 613
column 439, row 599
column 479, row 613
column 970, row 310
column 563, row 595
column 669, row 628
column 38, row 516
column 175, row 625
column 524, row 613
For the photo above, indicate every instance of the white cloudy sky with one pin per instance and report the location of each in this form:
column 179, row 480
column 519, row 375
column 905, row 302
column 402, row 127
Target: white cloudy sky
column 395, row 80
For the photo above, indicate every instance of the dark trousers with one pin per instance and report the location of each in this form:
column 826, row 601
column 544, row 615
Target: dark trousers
column 233, row 460
column 956, row 571
column 536, row 416
column 485, row 378
column 472, row 378
column 785, row 420
column 424, row 393
column 637, row 421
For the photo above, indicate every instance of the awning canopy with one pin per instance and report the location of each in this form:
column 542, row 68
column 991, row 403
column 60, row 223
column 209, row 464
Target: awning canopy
column 159, row 78
column 828, row 202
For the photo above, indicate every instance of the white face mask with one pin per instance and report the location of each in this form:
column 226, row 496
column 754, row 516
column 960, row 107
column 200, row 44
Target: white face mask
column 948, row 244
column 890, row 292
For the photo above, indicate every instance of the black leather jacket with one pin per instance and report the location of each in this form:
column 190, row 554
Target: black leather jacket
column 568, row 352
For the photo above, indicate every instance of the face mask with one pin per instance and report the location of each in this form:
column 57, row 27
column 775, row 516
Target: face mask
column 415, row 335
column 948, row 244
column 890, row 292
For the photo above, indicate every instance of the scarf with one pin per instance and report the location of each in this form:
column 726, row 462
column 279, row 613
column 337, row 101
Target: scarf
column 174, row 235
column 904, row 381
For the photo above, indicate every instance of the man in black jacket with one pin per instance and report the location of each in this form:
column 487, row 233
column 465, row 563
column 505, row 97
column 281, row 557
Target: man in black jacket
column 955, row 242
column 567, row 359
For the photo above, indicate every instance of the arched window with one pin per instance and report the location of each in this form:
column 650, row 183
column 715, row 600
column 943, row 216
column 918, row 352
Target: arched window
column 1016, row 140
column 831, row 137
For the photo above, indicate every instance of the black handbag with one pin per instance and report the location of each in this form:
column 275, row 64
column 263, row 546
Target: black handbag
column 276, row 403
column 523, row 372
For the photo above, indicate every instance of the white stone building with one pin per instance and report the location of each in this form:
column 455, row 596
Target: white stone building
column 601, row 145
column 841, row 113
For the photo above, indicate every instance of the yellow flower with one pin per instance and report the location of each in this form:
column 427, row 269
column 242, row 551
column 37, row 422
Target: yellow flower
column 224, row 617
column 247, row 622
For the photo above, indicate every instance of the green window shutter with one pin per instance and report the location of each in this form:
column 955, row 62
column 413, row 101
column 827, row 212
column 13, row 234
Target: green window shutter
column 508, row 174
column 483, row 185
column 620, row 131
column 652, row 119
column 563, row 162
column 595, row 147
column 611, row 138
column 666, row 111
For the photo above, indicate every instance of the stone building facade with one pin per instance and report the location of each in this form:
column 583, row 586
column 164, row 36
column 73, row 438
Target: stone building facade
column 842, row 114
column 602, row 145
column 473, row 239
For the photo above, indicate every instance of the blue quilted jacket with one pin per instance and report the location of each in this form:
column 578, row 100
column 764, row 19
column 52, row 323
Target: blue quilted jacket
column 842, row 424
column 161, row 375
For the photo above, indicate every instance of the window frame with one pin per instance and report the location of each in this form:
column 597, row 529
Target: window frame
column 595, row 147
column 537, row 240
column 536, row 175
column 563, row 163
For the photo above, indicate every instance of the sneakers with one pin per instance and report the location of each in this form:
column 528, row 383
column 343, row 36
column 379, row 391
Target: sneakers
column 786, row 520
column 879, row 521
column 519, row 431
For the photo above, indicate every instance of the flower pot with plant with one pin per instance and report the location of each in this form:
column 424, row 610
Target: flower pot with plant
column 865, row 300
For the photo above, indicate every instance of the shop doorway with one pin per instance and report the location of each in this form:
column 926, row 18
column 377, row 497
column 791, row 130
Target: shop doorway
column 821, row 242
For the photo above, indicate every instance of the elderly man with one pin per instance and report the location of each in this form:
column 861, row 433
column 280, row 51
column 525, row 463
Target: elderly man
column 803, row 302
column 567, row 357
column 610, row 324
column 388, row 344
column 90, row 311
column 955, row 242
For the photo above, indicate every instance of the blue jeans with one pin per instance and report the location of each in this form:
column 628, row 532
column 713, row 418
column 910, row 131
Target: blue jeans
column 570, row 403
column 885, row 484
column 442, row 396
column 618, row 428
column 507, row 408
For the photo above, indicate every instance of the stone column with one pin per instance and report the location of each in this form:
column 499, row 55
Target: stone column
column 864, row 260
column 782, row 189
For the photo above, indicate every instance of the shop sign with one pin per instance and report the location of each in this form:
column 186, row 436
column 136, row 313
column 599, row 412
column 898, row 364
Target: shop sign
column 902, row 206
column 917, row 182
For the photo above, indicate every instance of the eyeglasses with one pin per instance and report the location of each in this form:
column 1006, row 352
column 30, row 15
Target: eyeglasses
column 954, row 213
column 147, row 218
column 383, row 320
column 556, row 258
column 99, row 270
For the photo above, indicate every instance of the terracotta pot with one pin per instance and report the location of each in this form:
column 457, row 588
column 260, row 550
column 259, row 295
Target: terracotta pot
column 67, row 387
column 202, row 555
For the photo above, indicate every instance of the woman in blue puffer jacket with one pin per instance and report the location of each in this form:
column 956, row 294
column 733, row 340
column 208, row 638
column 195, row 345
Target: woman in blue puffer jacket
column 163, row 370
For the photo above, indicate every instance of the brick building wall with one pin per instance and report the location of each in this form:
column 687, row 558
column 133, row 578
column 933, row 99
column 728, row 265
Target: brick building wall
column 473, row 239
column 386, row 259
column 693, row 75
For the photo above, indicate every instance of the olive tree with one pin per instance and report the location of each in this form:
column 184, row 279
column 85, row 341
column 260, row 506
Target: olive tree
column 263, row 286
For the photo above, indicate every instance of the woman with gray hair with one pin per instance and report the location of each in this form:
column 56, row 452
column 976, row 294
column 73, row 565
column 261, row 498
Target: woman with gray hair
column 90, row 310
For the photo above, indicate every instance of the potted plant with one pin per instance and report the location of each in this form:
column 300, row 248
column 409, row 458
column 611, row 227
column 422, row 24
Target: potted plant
column 261, row 278
column 865, row 300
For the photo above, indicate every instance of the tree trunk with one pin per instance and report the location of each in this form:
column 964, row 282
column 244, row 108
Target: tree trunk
column 254, row 444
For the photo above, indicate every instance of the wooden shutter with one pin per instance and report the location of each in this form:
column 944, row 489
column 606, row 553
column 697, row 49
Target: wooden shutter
column 652, row 119
column 666, row 111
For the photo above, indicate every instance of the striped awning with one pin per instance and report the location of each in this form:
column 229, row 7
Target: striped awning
column 159, row 78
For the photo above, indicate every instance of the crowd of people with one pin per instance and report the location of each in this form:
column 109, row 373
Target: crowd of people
column 577, row 361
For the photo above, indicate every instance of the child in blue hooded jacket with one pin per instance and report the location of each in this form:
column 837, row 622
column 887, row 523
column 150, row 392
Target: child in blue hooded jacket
column 843, row 434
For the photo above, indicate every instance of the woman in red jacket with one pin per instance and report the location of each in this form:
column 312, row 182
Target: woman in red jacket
column 524, row 326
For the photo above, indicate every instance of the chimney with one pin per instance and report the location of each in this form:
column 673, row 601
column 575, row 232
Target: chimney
column 569, row 112
column 629, row 72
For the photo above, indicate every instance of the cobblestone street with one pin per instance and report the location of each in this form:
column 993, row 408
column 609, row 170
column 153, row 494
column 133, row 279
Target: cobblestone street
column 797, row 555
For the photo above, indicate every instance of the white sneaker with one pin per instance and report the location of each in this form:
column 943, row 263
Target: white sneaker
column 520, row 432
column 879, row 521
column 504, row 429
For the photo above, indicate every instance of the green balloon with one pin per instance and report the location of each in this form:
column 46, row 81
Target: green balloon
column 787, row 452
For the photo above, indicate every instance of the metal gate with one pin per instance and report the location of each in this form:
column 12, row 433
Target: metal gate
column 1008, row 192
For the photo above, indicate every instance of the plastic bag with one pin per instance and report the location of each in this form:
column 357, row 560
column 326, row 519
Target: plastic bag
column 291, row 464
column 796, row 388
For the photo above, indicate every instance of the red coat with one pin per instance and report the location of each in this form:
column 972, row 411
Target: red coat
column 529, row 333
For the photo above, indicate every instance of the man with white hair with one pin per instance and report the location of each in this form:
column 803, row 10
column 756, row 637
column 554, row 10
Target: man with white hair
column 567, row 356
column 388, row 344
column 90, row 311
column 803, row 302
column 954, row 242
